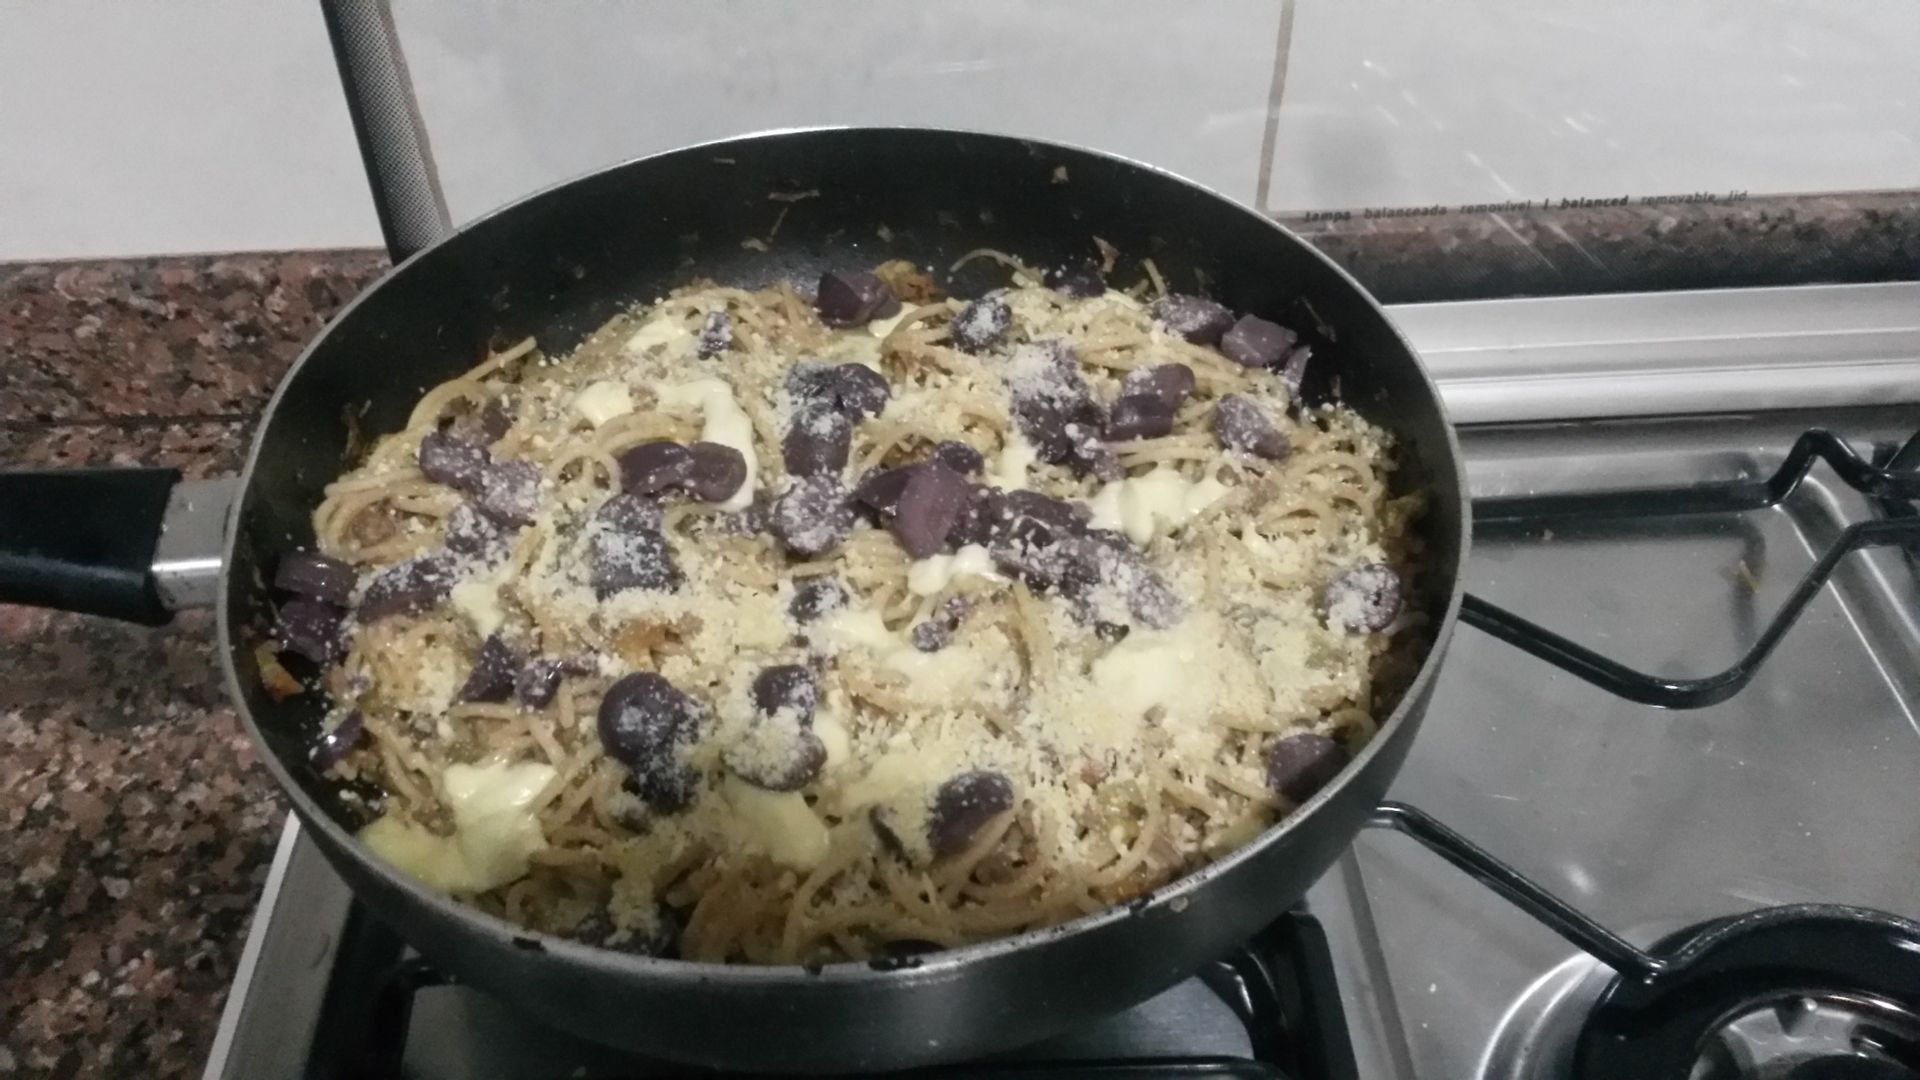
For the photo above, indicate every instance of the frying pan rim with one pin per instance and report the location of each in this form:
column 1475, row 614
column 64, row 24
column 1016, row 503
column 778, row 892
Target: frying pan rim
column 933, row 966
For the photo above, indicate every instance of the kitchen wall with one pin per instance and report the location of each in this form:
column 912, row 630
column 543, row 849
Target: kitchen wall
column 206, row 125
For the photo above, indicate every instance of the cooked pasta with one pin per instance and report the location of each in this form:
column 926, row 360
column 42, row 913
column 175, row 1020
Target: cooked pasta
column 737, row 636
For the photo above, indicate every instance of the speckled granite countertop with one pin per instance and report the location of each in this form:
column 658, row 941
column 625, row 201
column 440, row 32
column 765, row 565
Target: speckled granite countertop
column 135, row 825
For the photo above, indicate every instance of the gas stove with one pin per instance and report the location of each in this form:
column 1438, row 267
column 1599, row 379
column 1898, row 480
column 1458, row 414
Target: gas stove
column 1566, row 882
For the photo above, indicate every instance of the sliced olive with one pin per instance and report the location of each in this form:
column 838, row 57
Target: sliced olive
column 717, row 471
column 510, row 492
column 448, row 459
column 1364, row 599
column 786, row 686
column 653, row 466
column 311, row 629
column 853, row 298
column 716, row 335
column 813, row 516
column 1300, row 765
column 962, row 807
column 494, row 671
column 981, row 324
column 959, row 457
column 1256, row 343
column 1194, row 318
column 315, row 576
column 818, row 441
column 406, row 587
column 1240, row 425
column 929, row 506
column 646, row 724
column 815, row 596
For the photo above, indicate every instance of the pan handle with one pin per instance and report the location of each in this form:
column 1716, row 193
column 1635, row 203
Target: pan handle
column 132, row 544
column 386, row 121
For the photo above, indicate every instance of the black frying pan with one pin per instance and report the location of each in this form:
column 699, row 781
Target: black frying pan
column 560, row 263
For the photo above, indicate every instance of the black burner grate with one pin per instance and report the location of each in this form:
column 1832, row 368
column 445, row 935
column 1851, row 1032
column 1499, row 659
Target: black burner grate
column 1801, row 992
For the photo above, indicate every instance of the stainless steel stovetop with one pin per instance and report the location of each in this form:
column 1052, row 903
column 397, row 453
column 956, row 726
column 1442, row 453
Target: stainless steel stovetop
column 1799, row 788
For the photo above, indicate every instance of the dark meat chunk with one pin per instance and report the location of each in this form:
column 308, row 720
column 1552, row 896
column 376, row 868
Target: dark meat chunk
column 1138, row 416
column 1364, row 599
column 1168, row 383
column 1300, row 765
column 962, row 807
column 628, row 549
column 470, row 532
column 653, row 466
column 959, row 457
column 786, row 686
column 1256, row 343
column 1194, row 318
column 1240, row 425
column 1080, row 280
column 494, row 671
column 646, row 724
column 448, row 459
column 853, row 298
column 407, row 587
column 311, row 629
column 717, row 471
column 316, row 577
column 818, row 442
column 813, row 516
column 929, row 506
column 510, row 492
column 334, row 743
column 716, row 335
column 981, row 324
column 853, row 390
column 816, row 596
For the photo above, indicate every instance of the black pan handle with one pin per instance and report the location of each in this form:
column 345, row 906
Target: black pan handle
column 132, row 544
column 386, row 121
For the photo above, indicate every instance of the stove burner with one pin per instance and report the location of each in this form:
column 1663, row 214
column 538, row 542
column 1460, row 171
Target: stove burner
column 1799, row 1037
column 1804, row 992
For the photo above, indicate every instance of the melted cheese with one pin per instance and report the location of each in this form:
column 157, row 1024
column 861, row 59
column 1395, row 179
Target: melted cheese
column 833, row 735
column 602, row 401
column 896, row 774
column 1008, row 469
column 494, row 830
column 723, row 421
column 1159, row 501
column 778, row 823
column 957, row 672
column 926, row 577
column 1172, row 670
column 880, row 328
column 662, row 329
column 478, row 599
